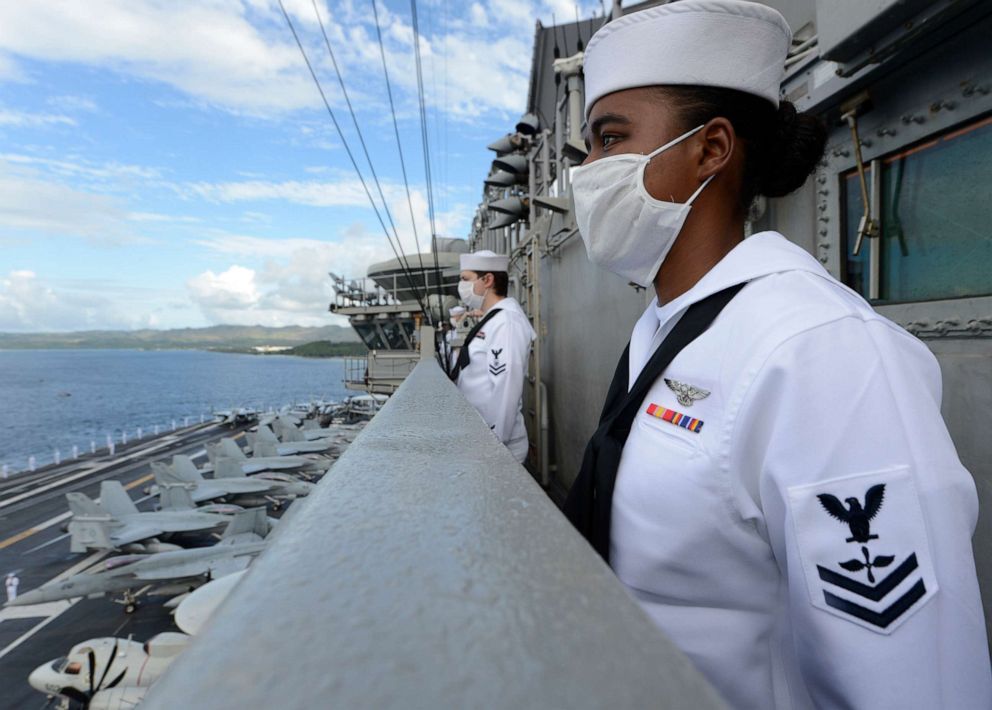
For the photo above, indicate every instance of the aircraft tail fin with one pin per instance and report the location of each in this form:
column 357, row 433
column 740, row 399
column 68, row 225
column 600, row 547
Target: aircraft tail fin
column 227, row 468
column 176, row 498
column 266, row 434
column 253, row 520
column 264, row 448
column 184, row 467
column 228, row 447
column 288, row 432
column 166, row 476
column 115, row 500
column 82, row 504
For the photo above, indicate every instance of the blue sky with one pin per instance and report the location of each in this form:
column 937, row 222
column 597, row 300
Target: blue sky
column 167, row 164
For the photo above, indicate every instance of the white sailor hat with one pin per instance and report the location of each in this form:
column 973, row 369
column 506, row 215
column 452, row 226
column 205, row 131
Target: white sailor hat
column 456, row 310
column 729, row 44
column 483, row 260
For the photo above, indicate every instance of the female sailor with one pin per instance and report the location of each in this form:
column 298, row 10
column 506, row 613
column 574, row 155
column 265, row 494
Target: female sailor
column 771, row 478
column 492, row 362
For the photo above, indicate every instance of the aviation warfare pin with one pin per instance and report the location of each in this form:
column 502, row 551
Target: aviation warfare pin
column 685, row 393
column 864, row 549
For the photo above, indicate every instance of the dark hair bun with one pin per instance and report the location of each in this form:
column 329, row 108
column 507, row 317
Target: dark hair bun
column 796, row 148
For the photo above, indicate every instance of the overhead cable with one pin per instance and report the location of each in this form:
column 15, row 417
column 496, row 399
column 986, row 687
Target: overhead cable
column 361, row 139
column 426, row 149
column 344, row 142
column 396, row 131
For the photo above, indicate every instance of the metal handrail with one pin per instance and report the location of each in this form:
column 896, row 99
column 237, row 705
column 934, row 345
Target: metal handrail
column 429, row 570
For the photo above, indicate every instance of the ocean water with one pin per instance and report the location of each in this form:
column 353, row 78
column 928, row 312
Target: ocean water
column 54, row 399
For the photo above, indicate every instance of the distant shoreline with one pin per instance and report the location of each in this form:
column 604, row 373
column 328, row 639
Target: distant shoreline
column 324, row 341
column 308, row 350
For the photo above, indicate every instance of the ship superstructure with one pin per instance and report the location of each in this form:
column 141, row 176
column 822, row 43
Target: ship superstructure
column 387, row 307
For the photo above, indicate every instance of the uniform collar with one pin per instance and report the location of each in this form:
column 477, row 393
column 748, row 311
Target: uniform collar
column 509, row 305
column 759, row 255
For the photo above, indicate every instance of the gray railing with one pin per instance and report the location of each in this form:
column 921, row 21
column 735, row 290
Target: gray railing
column 429, row 570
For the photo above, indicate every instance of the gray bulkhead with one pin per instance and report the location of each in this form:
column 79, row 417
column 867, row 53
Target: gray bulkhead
column 917, row 78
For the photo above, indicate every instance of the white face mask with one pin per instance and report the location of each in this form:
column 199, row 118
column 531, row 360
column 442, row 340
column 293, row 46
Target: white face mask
column 626, row 230
column 471, row 299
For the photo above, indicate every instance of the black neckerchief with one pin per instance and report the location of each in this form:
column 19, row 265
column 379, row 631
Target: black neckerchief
column 590, row 499
column 463, row 359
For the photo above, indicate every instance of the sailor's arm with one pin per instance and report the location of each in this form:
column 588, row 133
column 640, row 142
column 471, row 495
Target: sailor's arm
column 840, row 450
column 507, row 364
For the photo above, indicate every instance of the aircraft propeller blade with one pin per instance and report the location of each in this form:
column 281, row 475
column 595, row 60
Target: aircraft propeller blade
column 91, row 656
column 110, row 662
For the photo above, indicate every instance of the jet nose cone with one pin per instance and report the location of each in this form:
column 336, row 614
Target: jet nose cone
column 44, row 679
column 35, row 596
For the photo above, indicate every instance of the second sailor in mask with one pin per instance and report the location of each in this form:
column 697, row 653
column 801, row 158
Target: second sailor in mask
column 492, row 362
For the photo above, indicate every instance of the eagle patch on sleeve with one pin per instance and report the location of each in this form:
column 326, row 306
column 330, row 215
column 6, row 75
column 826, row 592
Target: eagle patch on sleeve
column 864, row 548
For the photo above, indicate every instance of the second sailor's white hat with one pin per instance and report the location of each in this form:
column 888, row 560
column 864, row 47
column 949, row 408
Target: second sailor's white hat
column 483, row 260
column 730, row 44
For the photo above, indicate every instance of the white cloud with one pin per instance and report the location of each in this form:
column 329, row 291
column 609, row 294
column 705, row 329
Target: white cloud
column 21, row 119
column 32, row 204
column 239, row 54
column 231, row 289
column 342, row 193
column 79, row 168
column 30, row 303
column 291, row 283
column 75, row 198
column 73, row 103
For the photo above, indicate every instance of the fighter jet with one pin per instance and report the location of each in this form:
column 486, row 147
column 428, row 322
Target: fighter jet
column 227, row 448
column 184, row 473
column 288, row 485
column 116, row 522
column 259, row 489
column 265, row 443
column 235, row 416
column 105, row 673
column 288, row 432
column 177, row 571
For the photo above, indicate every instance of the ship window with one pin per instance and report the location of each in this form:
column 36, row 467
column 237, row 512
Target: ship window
column 936, row 220
column 367, row 332
column 73, row 668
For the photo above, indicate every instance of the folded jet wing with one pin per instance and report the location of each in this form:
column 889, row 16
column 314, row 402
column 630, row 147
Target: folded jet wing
column 116, row 521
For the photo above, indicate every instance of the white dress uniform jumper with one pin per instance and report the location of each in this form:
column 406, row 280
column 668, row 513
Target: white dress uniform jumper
column 789, row 508
column 493, row 379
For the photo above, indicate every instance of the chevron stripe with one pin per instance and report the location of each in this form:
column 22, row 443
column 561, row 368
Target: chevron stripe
column 883, row 618
column 877, row 592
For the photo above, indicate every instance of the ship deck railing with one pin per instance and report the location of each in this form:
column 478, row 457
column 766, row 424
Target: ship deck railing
column 429, row 570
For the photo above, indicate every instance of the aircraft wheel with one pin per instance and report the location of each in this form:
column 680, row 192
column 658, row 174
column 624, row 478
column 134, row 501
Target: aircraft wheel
column 130, row 607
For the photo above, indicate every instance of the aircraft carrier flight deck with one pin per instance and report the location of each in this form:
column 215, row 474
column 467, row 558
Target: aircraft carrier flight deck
column 34, row 543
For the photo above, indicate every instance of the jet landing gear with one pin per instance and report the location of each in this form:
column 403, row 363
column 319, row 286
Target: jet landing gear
column 129, row 600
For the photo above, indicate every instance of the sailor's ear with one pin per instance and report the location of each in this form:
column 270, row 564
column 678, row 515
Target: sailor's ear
column 717, row 140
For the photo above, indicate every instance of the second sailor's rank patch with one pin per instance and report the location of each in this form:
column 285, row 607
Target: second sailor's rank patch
column 864, row 548
column 496, row 367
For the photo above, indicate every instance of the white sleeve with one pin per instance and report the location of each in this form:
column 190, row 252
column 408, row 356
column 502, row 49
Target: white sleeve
column 840, row 447
column 506, row 358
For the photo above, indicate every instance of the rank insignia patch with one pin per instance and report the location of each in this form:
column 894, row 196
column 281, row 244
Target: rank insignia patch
column 864, row 547
column 496, row 367
column 676, row 418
